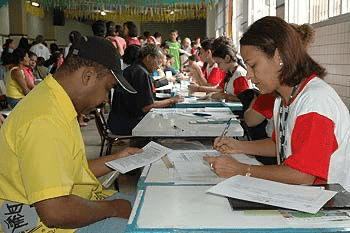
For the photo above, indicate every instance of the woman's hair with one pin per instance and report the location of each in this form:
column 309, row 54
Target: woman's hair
column 306, row 33
column 18, row 55
column 132, row 29
column 31, row 54
column 131, row 54
column 224, row 50
column 40, row 61
column 119, row 30
column 157, row 34
column 74, row 36
column 7, row 43
column 221, row 40
column 23, row 43
column 110, row 25
column 273, row 33
column 207, row 44
column 53, row 47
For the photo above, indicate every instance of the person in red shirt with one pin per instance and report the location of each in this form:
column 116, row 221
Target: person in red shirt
column 212, row 74
column 235, row 81
column 311, row 140
column 130, row 33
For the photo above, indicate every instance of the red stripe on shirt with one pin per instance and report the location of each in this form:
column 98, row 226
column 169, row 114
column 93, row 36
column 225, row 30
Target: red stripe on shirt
column 313, row 143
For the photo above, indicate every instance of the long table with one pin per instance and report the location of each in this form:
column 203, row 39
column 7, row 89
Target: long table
column 183, row 123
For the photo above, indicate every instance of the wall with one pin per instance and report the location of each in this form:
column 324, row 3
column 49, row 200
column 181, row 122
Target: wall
column 35, row 26
column 62, row 32
column 332, row 50
column 211, row 18
column 4, row 19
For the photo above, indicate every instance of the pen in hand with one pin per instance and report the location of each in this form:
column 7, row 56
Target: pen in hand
column 226, row 128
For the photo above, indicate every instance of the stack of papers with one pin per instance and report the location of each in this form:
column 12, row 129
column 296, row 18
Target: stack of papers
column 151, row 152
column 308, row 199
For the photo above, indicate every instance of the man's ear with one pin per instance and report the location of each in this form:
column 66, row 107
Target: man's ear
column 88, row 75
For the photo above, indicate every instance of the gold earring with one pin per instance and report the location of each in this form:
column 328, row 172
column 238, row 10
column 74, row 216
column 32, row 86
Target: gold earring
column 281, row 63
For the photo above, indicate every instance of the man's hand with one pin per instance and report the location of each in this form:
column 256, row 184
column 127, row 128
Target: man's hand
column 2, row 119
column 126, row 152
column 122, row 208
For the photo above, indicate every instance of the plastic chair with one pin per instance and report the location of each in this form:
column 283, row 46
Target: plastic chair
column 107, row 138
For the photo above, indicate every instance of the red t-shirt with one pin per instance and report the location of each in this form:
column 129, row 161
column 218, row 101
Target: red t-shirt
column 216, row 77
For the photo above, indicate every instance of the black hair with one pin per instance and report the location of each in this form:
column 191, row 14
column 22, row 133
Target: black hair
column 74, row 36
column 157, row 34
column 40, row 61
column 131, row 54
column 133, row 32
column 119, row 30
column 99, row 28
column 23, row 43
column 31, row 54
column 207, row 44
column 146, row 34
column 18, row 55
column 110, row 27
column 7, row 43
column 6, row 58
column 53, row 47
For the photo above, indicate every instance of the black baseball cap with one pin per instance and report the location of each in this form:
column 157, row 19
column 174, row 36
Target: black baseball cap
column 103, row 52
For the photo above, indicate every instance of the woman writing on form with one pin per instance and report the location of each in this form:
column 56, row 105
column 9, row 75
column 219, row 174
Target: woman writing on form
column 312, row 124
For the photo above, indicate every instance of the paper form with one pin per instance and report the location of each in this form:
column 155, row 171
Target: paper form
column 303, row 198
column 151, row 152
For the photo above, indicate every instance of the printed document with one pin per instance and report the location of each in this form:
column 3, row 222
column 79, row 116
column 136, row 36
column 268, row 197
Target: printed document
column 151, row 152
column 308, row 199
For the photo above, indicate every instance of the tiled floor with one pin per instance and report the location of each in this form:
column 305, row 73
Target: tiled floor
column 127, row 183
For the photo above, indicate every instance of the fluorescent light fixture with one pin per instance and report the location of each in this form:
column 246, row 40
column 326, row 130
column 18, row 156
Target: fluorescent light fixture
column 35, row 4
column 103, row 13
column 171, row 12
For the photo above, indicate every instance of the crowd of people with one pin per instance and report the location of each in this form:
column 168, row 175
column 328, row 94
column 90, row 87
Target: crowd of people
column 274, row 77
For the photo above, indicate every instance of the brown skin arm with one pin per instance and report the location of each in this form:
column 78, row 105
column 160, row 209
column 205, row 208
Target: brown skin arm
column 226, row 166
column 265, row 147
column 73, row 212
column 163, row 103
column 2, row 119
column 17, row 76
column 98, row 167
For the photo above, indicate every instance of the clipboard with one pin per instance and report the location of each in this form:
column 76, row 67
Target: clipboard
column 340, row 201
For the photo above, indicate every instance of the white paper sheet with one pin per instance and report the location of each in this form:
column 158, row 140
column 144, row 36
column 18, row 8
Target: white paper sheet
column 303, row 198
column 151, row 152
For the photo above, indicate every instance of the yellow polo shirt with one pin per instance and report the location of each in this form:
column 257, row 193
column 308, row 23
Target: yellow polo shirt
column 42, row 151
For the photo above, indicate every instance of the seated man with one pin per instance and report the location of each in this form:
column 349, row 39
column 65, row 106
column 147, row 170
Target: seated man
column 129, row 109
column 45, row 179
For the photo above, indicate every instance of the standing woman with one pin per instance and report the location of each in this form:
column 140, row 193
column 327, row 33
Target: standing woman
column 312, row 124
column 17, row 85
column 235, row 81
column 130, row 33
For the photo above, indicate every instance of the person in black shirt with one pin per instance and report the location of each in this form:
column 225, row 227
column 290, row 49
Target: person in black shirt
column 129, row 109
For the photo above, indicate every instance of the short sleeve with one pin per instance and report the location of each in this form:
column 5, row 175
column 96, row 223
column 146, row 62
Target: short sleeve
column 45, row 160
column 240, row 84
column 216, row 76
column 264, row 104
column 312, row 145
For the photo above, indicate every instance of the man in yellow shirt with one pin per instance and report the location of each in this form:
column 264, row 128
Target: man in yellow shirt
column 46, row 183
